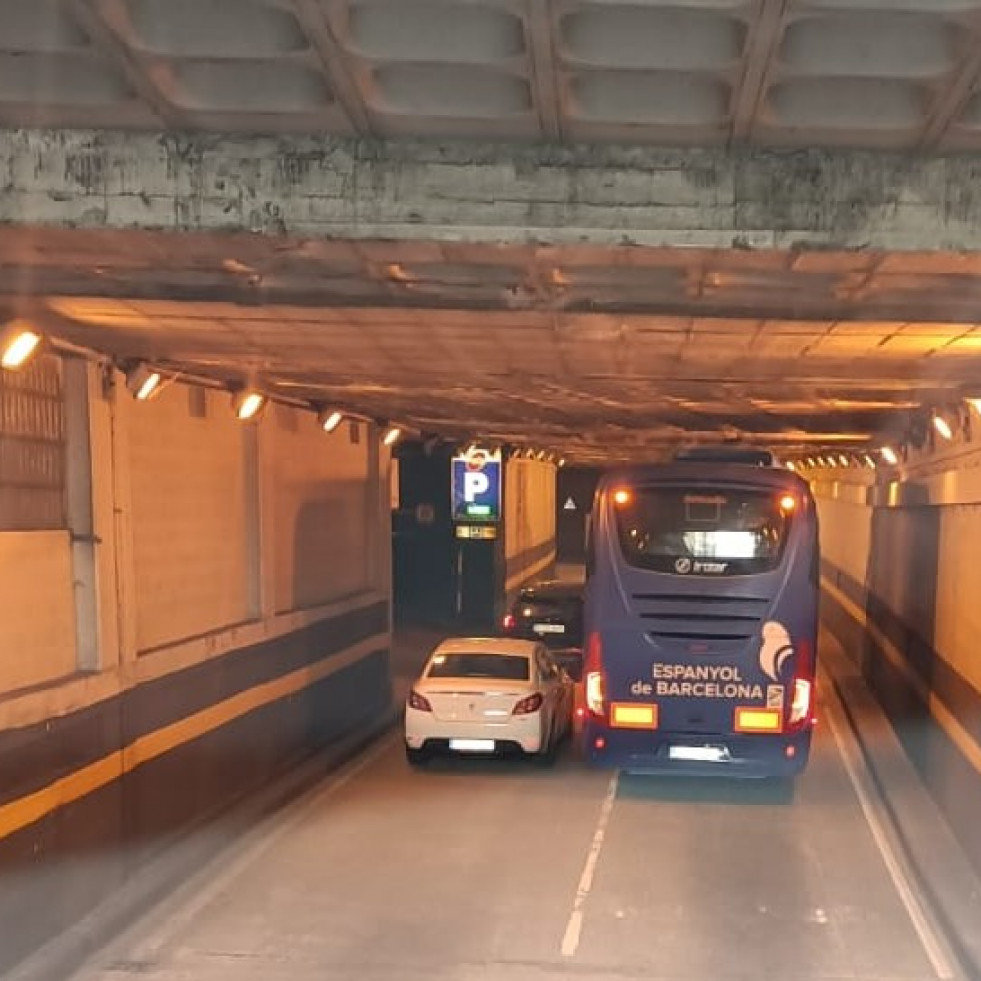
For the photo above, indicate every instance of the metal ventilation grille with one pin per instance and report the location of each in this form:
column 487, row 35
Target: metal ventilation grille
column 32, row 448
column 701, row 617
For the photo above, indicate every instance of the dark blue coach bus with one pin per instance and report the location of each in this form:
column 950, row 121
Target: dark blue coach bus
column 701, row 613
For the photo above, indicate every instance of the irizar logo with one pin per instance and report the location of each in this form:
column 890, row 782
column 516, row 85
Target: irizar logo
column 684, row 565
column 775, row 650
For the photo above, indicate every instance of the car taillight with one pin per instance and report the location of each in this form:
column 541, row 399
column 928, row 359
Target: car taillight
column 509, row 621
column 419, row 702
column 593, row 676
column 528, row 705
column 802, row 689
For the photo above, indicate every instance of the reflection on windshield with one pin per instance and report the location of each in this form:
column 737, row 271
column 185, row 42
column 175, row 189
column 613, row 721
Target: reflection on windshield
column 660, row 525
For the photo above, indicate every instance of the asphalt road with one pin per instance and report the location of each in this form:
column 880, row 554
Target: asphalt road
column 504, row 871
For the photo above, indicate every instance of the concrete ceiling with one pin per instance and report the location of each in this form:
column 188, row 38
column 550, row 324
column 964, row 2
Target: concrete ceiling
column 865, row 73
column 598, row 353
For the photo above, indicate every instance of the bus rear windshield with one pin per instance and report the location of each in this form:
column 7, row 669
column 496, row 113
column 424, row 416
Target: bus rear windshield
column 718, row 531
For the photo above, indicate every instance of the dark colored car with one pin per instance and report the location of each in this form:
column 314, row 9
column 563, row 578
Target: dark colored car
column 550, row 611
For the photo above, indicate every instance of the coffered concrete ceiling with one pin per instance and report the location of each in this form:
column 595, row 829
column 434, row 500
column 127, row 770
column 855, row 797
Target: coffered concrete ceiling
column 861, row 73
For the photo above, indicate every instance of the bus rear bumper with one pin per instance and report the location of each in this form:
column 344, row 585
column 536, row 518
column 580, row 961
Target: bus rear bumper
column 746, row 757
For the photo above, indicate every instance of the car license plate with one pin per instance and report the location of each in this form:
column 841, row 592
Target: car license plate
column 701, row 754
column 472, row 745
column 549, row 628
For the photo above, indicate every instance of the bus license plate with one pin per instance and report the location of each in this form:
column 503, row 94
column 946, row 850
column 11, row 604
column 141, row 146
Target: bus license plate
column 549, row 628
column 472, row 745
column 701, row 754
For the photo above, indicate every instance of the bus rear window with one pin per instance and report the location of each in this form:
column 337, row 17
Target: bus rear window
column 722, row 531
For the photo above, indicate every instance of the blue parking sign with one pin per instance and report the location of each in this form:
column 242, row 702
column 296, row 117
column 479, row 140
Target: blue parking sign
column 476, row 490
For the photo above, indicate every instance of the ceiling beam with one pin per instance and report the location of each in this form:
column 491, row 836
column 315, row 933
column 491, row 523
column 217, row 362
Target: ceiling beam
column 761, row 46
column 102, row 24
column 333, row 62
column 543, row 65
column 950, row 101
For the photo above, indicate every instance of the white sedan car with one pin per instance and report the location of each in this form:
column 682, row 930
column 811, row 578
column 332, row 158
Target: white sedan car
column 488, row 695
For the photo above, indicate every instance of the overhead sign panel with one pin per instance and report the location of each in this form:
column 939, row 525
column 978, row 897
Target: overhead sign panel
column 476, row 486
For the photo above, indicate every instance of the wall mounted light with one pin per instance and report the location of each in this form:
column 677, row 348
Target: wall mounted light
column 392, row 435
column 942, row 426
column 889, row 455
column 19, row 341
column 247, row 404
column 561, row 461
column 143, row 382
column 329, row 419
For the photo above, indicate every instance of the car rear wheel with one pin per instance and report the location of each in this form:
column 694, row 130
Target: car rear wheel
column 416, row 757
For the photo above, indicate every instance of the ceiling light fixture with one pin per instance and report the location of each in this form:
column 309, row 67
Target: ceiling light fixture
column 247, row 404
column 329, row 419
column 392, row 435
column 889, row 455
column 942, row 426
column 19, row 340
column 143, row 382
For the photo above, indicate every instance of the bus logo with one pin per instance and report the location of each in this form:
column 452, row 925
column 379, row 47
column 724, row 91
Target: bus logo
column 682, row 566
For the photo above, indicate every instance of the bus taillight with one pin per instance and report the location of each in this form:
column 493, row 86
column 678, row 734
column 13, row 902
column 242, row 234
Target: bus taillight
column 593, row 676
column 802, row 690
column 800, row 706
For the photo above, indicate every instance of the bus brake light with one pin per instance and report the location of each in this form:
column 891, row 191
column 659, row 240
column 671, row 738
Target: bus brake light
column 593, row 676
column 800, row 706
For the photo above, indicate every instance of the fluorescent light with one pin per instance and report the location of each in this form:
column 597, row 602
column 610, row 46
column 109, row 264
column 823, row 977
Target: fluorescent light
column 392, row 435
column 942, row 426
column 18, row 341
column 330, row 420
column 889, row 455
column 247, row 404
column 143, row 382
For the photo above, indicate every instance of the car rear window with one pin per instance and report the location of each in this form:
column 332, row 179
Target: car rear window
column 507, row 667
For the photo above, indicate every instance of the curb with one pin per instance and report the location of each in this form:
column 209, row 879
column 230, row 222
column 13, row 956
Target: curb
column 942, row 870
column 192, row 851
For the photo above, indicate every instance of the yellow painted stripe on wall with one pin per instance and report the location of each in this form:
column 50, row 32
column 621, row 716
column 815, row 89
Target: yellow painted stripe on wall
column 24, row 811
column 946, row 719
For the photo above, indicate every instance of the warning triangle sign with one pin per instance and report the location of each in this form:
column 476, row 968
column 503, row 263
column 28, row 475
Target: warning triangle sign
column 570, row 505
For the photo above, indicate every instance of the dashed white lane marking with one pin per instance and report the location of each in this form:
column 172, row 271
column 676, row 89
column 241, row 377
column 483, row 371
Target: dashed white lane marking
column 570, row 941
column 932, row 945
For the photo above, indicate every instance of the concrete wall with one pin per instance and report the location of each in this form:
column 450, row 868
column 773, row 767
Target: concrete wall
column 902, row 583
column 529, row 522
column 35, row 575
column 221, row 609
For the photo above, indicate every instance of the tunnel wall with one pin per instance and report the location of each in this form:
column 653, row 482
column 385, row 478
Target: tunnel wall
column 529, row 523
column 902, row 588
column 216, row 608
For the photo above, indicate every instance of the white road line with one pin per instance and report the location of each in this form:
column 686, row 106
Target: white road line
column 933, row 946
column 570, row 941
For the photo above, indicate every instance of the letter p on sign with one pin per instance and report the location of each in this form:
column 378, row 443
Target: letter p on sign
column 474, row 484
